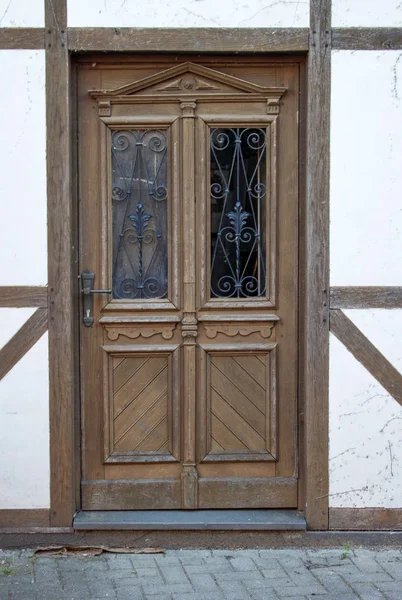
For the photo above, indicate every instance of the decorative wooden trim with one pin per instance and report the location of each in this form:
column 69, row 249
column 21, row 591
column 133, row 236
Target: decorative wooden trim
column 62, row 312
column 165, row 330
column 24, row 517
column 316, row 350
column 365, row 519
column 22, row 341
column 196, row 39
column 22, row 38
column 366, row 297
column 244, row 330
column 20, row 296
column 367, row 354
column 367, row 38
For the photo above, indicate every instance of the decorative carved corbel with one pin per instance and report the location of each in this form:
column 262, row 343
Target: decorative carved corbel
column 189, row 329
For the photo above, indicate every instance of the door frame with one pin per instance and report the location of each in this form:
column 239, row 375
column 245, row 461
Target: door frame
column 314, row 273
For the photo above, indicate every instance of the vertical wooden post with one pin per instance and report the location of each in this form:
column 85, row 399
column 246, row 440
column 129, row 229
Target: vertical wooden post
column 316, row 352
column 60, row 220
column 189, row 322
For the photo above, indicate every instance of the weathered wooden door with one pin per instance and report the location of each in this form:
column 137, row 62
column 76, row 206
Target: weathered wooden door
column 188, row 196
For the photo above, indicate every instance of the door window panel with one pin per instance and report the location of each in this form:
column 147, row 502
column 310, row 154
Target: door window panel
column 139, row 214
column 238, row 207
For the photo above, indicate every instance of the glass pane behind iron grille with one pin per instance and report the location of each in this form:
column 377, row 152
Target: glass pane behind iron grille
column 139, row 207
column 238, row 205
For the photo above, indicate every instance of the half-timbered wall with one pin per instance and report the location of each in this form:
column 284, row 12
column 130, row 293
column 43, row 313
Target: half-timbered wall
column 366, row 250
column 24, row 410
column 365, row 382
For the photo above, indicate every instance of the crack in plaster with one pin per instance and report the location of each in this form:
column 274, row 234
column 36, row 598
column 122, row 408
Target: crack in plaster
column 272, row 4
column 200, row 16
column 6, row 11
column 395, row 75
column 391, row 458
column 390, row 421
column 342, row 453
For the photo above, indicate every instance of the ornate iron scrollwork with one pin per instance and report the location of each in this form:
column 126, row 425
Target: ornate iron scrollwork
column 238, row 193
column 139, row 195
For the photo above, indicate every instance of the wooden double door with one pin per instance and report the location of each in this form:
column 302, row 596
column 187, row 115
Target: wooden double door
column 188, row 218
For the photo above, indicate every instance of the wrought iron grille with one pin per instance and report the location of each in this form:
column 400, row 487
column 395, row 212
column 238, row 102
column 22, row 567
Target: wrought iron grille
column 139, row 214
column 238, row 207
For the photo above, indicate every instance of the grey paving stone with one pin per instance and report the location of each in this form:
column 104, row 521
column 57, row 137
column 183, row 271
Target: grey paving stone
column 263, row 594
column 368, row 591
column 348, row 596
column 242, row 564
column 266, row 563
column 101, row 588
column 234, row 590
column 178, row 588
column 296, row 591
column 391, row 566
column 174, row 574
column 22, row 593
column 367, row 563
column 182, row 553
column 142, row 573
column 332, row 582
column 239, row 576
column 268, row 574
column 203, row 582
column 130, row 594
column 276, row 575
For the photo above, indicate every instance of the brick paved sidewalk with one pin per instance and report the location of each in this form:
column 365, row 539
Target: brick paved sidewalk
column 329, row 574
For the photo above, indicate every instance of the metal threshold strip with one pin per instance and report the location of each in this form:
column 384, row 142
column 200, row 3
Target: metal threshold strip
column 201, row 520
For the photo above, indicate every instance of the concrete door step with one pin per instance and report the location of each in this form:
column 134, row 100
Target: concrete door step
column 206, row 520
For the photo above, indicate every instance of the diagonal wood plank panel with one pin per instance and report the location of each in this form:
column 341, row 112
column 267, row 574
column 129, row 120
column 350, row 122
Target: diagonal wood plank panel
column 238, row 403
column 140, row 404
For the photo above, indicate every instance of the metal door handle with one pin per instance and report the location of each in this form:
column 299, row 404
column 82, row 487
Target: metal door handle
column 87, row 279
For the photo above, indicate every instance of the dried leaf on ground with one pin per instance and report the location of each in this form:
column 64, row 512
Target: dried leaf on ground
column 93, row 550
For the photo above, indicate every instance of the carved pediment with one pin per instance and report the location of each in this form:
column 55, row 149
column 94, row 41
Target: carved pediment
column 189, row 79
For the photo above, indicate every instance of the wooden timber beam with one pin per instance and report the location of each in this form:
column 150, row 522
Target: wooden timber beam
column 183, row 39
column 22, row 38
column 366, row 297
column 316, row 315
column 367, row 38
column 19, row 296
column 62, row 312
column 22, row 341
column 367, row 354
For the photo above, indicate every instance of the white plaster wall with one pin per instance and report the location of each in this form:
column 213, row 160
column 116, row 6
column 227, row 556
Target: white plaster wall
column 24, row 431
column 188, row 13
column 22, row 13
column 24, row 391
column 365, row 430
column 366, row 173
column 23, row 168
column 366, row 13
column 11, row 320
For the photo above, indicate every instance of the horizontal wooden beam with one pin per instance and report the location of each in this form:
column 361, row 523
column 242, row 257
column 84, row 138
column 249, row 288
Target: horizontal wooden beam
column 367, row 38
column 366, row 353
column 25, row 517
column 20, row 296
column 22, row 38
column 365, row 519
column 366, row 297
column 183, row 39
column 214, row 39
column 22, row 341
